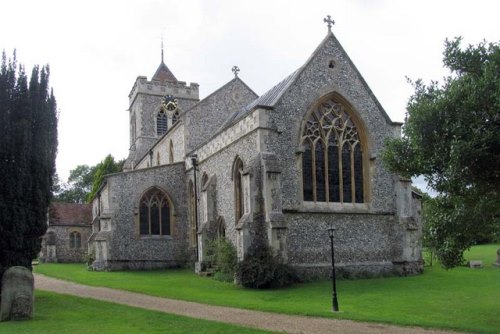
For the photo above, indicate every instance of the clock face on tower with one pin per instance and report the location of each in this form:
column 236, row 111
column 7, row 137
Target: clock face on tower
column 169, row 103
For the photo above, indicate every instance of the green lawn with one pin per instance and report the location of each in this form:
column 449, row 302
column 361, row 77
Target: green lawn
column 461, row 299
column 55, row 313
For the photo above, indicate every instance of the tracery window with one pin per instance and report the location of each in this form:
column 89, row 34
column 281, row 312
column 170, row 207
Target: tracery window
column 161, row 123
column 75, row 240
column 332, row 161
column 154, row 213
column 238, row 188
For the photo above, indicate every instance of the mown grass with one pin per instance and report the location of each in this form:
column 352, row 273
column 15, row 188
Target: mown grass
column 55, row 313
column 461, row 299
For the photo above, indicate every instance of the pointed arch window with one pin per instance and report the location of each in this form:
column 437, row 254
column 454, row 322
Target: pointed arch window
column 155, row 213
column 238, row 188
column 75, row 240
column 161, row 123
column 332, row 160
column 221, row 229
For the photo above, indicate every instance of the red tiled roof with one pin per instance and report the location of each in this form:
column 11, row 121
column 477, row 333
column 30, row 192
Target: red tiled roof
column 70, row 214
column 163, row 73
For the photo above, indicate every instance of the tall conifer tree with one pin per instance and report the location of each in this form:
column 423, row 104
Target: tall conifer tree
column 28, row 146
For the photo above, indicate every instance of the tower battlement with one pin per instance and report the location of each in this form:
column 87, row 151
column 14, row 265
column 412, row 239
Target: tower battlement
column 179, row 89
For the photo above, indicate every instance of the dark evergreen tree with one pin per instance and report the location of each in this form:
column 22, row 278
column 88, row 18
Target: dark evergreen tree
column 28, row 146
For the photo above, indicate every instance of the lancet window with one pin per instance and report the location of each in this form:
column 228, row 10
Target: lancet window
column 238, row 188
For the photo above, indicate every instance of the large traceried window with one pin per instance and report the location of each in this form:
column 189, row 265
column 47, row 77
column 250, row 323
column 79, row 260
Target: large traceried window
column 161, row 123
column 155, row 213
column 332, row 160
column 75, row 240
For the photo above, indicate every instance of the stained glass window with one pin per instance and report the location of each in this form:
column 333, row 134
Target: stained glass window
column 332, row 161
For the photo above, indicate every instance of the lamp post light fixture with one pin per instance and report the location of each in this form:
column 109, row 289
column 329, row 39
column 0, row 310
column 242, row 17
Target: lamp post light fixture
column 335, row 303
column 194, row 162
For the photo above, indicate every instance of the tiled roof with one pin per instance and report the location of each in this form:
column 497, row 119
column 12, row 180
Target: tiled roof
column 163, row 73
column 70, row 214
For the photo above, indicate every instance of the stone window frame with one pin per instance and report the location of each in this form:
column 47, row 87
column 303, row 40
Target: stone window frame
column 353, row 116
column 221, row 228
column 161, row 127
column 237, row 177
column 171, row 207
column 75, row 240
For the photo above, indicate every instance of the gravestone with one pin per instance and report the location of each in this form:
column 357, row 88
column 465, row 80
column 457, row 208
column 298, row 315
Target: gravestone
column 476, row 264
column 497, row 263
column 17, row 294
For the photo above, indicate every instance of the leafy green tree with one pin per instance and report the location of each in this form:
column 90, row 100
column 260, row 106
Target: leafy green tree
column 451, row 136
column 105, row 167
column 28, row 147
column 78, row 187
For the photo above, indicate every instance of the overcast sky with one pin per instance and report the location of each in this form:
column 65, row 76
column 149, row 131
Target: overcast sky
column 96, row 49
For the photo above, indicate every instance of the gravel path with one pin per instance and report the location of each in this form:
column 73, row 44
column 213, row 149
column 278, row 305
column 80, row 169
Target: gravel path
column 256, row 319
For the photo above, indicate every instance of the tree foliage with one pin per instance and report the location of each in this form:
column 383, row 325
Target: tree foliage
column 82, row 180
column 78, row 186
column 452, row 138
column 105, row 167
column 28, row 147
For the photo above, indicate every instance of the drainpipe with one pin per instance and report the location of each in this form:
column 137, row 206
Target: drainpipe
column 194, row 162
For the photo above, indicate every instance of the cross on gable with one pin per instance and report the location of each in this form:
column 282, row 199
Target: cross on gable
column 235, row 70
column 328, row 20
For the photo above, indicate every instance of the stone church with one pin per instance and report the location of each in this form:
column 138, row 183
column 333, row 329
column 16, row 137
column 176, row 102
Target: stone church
column 281, row 168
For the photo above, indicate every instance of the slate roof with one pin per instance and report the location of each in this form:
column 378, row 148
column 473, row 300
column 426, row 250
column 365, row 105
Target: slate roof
column 163, row 73
column 267, row 100
column 70, row 214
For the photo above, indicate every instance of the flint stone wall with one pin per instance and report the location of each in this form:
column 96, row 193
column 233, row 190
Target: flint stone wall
column 126, row 248
column 64, row 253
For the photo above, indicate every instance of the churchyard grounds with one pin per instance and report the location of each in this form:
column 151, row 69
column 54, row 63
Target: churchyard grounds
column 462, row 299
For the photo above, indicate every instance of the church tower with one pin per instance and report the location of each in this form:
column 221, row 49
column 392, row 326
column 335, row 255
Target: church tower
column 154, row 107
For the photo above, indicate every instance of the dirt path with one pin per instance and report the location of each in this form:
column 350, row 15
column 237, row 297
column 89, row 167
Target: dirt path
column 247, row 318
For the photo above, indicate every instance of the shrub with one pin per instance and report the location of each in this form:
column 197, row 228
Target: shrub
column 262, row 270
column 223, row 255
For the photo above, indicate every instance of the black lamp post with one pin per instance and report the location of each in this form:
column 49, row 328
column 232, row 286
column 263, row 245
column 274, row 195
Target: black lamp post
column 335, row 303
column 194, row 162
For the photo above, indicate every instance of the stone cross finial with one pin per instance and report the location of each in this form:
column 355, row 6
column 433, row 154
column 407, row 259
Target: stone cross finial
column 235, row 70
column 328, row 20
